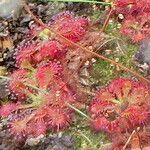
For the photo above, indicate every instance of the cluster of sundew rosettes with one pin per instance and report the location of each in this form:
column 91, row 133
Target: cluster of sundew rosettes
column 121, row 106
column 37, row 52
column 66, row 24
column 48, row 105
column 43, row 96
column 136, row 23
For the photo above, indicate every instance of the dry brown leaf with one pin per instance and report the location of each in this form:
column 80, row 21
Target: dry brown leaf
column 7, row 43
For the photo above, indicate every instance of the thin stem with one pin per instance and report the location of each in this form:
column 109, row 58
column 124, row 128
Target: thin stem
column 84, row 49
column 129, row 139
column 26, row 106
column 107, row 20
column 86, row 138
column 78, row 111
column 105, row 43
column 138, row 135
column 36, row 88
column 82, row 1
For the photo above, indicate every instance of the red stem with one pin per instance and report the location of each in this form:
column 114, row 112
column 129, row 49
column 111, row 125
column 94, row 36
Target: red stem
column 85, row 49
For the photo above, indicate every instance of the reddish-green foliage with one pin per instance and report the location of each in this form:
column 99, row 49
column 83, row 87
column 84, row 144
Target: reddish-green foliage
column 132, row 7
column 69, row 26
column 137, row 28
column 59, row 118
column 16, row 84
column 52, row 50
column 136, row 18
column 36, row 52
column 59, row 98
column 47, row 74
column 39, row 81
column 47, row 111
column 42, row 81
column 65, row 23
column 26, row 54
column 7, row 109
column 118, row 107
column 136, row 115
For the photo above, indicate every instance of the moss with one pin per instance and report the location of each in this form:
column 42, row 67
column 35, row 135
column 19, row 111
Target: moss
column 102, row 72
column 122, row 51
column 87, row 139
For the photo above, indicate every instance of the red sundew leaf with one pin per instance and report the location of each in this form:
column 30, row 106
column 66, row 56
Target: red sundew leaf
column 34, row 53
column 59, row 98
column 47, row 74
column 37, row 58
column 144, row 5
column 97, row 106
column 38, row 128
column 104, row 95
column 103, row 124
column 120, row 87
column 100, row 124
column 26, row 54
column 8, row 108
column 63, row 16
column 59, row 94
column 59, row 119
column 16, row 84
column 137, row 28
column 122, row 3
column 128, row 7
column 41, row 114
column 52, row 49
column 127, row 108
column 47, row 117
column 136, row 115
column 114, row 126
column 136, row 18
column 72, row 28
column 140, row 95
column 19, row 129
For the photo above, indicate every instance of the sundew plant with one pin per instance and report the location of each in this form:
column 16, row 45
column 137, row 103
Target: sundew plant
column 57, row 84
